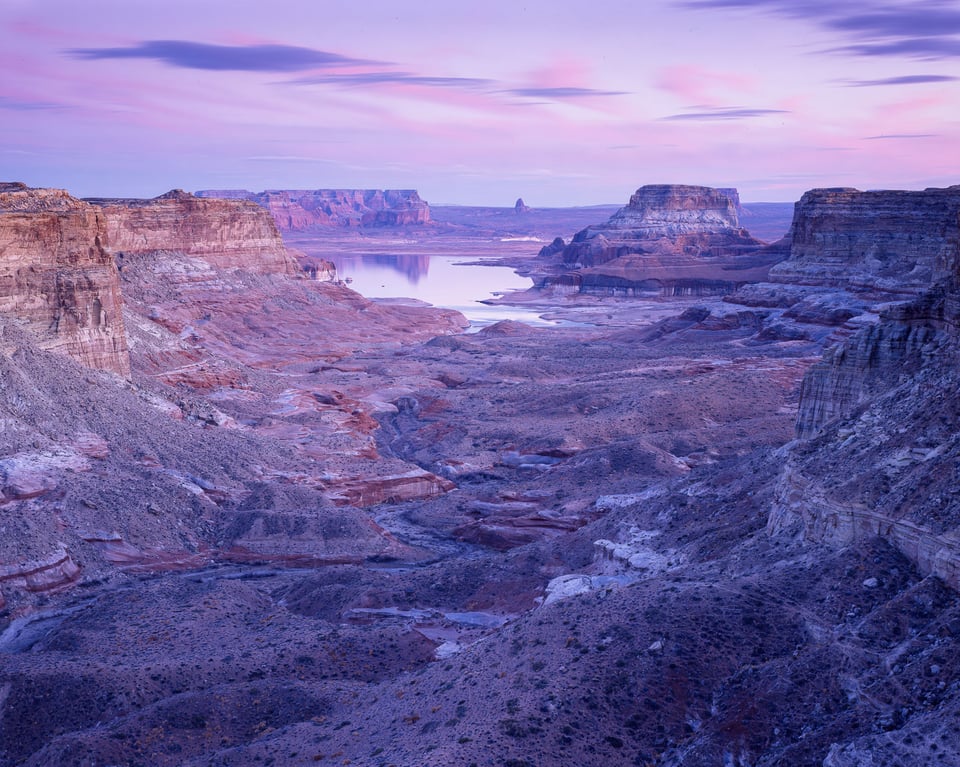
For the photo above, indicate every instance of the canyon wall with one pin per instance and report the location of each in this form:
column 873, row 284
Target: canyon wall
column 57, row 276
column 226, row 234
column 59, row 259
column 892, row 242
column 303, row 209
column 879, row 449
column 898, row 241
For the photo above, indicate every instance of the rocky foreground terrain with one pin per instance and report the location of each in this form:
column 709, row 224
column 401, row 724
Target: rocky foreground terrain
column 257, row 519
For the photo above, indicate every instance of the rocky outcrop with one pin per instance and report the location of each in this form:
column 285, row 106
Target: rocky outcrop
column 881, row 449
column 226, row 234
column 520, row 206
column 672, row 238
column 57, row 275
column 732, row 194
column 899, row 241
column 878, row 358
column 303, row 209
column 669, row 219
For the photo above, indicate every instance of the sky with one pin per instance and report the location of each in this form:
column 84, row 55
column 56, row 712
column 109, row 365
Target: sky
column 561, row 103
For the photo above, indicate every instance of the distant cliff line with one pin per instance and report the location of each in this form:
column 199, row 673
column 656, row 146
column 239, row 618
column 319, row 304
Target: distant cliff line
column 296, row 210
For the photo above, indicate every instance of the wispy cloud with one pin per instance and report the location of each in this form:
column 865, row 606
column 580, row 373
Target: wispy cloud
column 560, row 92
column 241, row 58
column 725, row 113
column 921, row 29
column 927, row 48
column 19, row 105
column 390, row 78
column 702, row 85
column 902, row 80
column 924, row 19
column 288, row 158
column 900, row 136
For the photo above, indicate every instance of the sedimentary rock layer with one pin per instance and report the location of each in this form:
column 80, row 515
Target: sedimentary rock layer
column 882, row 452
column 887, row 240
column 227, row 234
column 681, row 220
column 57, row 275
column 674, row 238
column 300, row 209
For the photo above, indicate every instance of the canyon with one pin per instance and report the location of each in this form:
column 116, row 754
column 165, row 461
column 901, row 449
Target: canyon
column 248, row 516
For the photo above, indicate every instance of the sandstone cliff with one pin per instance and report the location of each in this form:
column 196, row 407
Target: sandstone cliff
column 303, row 209
column 233, row 234
column 673, row 238
column 901, row 241
column 57, row 276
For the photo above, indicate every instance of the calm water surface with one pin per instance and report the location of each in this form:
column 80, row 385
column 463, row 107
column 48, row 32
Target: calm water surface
column 452, row 282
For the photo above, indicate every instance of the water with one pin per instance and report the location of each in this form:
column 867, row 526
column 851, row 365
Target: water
column 452, row 282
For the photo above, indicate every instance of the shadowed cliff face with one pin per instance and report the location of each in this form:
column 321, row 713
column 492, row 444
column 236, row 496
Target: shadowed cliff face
column 880, row 416
column 57, row 275
column 896, row 241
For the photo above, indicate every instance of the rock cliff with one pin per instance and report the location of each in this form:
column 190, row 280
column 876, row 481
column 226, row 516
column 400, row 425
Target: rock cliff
column 303, row 209
column 57, row 276
column 673, row 238
column 683, row 220
column 900, row 241
column 881, row 451
column 233, row 234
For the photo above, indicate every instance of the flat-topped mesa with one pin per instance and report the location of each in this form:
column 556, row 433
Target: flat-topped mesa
column 227, row 234
column 670, row 237
column 303, row 209
column 899, row 241
column 57, row 276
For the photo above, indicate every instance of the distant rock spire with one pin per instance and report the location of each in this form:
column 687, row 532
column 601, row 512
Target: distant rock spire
column 520, row 206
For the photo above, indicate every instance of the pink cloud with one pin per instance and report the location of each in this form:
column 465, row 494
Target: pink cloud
column 912, row 108
column 562, row 72
column 707, row 87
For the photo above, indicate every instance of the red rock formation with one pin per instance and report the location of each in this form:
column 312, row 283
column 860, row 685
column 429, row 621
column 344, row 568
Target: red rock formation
column 887, row 240
column 674, row 238
column 226, row 234
column 669, row 219
column 302, row 209
column 52, row 573
column 57, row 275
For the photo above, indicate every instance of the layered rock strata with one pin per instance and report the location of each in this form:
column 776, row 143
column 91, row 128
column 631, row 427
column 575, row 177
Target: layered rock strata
column 849, row 255
column 227, row 234
column 673, row 238
column 881, row 446
column 304, row 209
column 899, row 241
column 58, row 277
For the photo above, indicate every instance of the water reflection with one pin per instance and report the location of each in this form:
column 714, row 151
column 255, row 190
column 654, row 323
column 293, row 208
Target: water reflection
column 448, row 281
column 413, row 267
column 443, row 268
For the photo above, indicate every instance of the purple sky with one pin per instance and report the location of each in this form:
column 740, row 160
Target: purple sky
column 479, row 103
